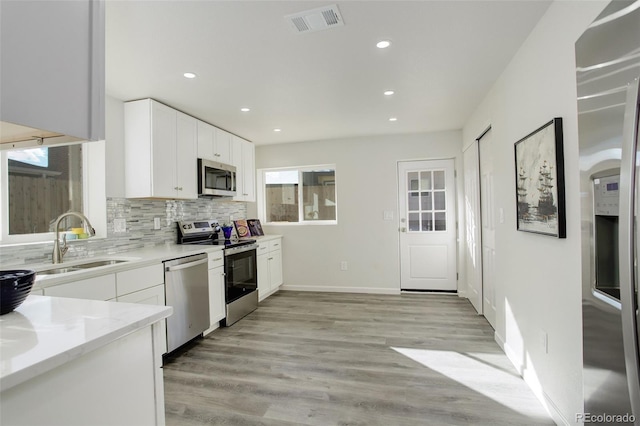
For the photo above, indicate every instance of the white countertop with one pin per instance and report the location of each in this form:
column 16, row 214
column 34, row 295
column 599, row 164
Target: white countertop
column 134, row 259
column 46, row 332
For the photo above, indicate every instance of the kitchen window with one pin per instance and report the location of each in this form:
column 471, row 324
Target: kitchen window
column 302, row 195
column 38, row 184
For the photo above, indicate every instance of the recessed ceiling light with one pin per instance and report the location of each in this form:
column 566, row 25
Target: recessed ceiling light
column 383, row 44
column 277, row 130
column 189, row 75
column 393, row 119
column 245, row 109
column 389, row 93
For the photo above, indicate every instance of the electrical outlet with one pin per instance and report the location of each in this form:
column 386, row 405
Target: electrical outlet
column 119, row 225
column 344, row 265
column 156, row 223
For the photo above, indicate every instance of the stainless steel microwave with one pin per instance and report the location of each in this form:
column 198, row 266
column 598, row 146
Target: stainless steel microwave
column 216, row 179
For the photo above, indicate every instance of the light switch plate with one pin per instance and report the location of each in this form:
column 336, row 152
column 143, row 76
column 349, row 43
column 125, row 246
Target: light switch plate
column 119, row 225
column 388, row 215
column 501, row 215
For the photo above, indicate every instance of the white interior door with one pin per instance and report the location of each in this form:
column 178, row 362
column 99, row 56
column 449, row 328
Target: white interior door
column 487, row 207
column 427, row 225
column 473, row 240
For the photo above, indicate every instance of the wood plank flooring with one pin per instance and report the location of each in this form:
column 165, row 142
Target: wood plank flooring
column 350, row 359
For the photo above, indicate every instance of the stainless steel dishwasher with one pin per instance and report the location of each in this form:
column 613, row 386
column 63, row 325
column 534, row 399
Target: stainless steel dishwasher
column 187, row 291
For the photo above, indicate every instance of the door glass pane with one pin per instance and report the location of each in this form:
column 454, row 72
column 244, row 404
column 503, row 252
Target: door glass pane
column 441, row 221
column 425, row 180
column 412, row 181
column 414, row 221
column 425, row 201
column 439, row 200
column 438, row 179
column 414, row 201
column 427, row 221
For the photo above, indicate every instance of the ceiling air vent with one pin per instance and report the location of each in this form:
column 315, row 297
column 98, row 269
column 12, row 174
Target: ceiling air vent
column 318, row 19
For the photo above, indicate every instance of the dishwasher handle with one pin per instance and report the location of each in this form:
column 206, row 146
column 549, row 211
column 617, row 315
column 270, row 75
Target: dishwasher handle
column 185, row 265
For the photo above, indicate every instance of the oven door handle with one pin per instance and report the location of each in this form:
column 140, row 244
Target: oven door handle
column 186, row 265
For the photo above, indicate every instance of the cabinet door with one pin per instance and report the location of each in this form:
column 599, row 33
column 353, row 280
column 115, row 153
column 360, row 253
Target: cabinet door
column 275, row 269
column 52, row 57
column 222, row 150
column 264, row 279
column 217, row 306
column 163, row 159
column 249, row 171
column 98, row 288
column 150, row 296
column 244, row 160
column 206, row 141
column 186, row 151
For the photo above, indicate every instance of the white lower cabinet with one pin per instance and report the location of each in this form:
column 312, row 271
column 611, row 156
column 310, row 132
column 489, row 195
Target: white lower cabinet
column 217, row 306
column 126, row 372
column 97, row 288
column 150, row 296
column 269, row 262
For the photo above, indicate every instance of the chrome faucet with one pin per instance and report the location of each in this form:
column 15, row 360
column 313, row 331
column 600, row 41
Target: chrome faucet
column 58, row 251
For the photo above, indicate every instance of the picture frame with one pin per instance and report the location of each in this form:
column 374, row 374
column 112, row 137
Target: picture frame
column 540, row 185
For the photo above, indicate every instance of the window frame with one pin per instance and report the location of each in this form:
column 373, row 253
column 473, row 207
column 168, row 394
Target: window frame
column 261, row 193
column 93, row 192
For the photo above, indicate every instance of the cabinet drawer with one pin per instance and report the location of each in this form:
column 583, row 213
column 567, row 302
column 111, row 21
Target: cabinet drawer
column 139, row 279
column 216, row 259
column 148, row 296
column 275, row 245
column 263, row 248
column 98, row 288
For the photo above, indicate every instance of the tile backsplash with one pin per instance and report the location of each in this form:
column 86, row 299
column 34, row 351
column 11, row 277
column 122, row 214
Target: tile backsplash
column 139, row 216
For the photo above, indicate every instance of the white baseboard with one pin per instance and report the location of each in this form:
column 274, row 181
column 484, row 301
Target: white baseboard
column 547, row 403
column 334, row 289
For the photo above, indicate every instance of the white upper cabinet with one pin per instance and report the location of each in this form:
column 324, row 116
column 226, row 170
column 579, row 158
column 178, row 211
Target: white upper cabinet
column 244, row 160
column 160, row 151
column 213, row 144
column 206, row 141
column 222, row 151
column 186, row 157
column 52, row 61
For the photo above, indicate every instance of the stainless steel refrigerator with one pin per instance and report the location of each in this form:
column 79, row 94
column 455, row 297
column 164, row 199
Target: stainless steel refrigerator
column 608, row 68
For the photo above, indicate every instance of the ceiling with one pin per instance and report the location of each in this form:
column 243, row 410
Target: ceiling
column 444, row 58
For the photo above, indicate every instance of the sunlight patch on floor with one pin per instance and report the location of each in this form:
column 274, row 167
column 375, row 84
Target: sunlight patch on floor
column 483, row 373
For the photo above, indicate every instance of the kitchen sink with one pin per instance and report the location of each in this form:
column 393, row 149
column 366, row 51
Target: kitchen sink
column 63, row 269
column 56, row 271
column 98, row 263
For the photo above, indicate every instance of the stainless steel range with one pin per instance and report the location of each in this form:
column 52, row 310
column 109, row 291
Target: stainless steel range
column 240, row 267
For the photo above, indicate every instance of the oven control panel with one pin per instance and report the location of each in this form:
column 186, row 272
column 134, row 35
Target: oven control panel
column 198, row 227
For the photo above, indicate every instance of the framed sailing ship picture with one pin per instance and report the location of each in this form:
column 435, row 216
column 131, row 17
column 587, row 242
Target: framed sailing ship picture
column 540, row 198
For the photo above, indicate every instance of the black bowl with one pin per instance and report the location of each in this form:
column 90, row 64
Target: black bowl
column 15, row 286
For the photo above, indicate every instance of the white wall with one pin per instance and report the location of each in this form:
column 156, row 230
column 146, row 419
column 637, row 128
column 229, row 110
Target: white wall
column 538, row 277
column 366, row 182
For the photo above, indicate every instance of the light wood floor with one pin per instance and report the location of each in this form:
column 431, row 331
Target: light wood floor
column 350, row 359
